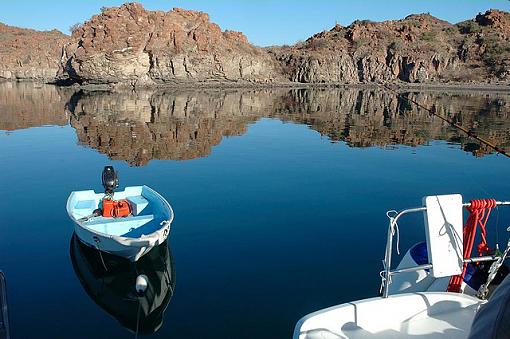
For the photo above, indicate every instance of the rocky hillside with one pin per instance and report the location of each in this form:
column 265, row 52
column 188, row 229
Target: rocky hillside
column 419, row 48
column 131, row 46
column 29, row 54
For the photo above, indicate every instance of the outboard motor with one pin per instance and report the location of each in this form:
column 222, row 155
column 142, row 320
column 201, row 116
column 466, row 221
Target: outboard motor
column 110, row 207
column 110, row 180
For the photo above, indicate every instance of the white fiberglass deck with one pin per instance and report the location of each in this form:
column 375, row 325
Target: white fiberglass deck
column 414, row 315
column 148, row 212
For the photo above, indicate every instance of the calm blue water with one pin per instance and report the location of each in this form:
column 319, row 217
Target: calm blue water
column 272, row 222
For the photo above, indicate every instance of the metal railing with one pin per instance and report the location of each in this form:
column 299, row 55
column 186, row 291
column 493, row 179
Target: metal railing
column 393, row 228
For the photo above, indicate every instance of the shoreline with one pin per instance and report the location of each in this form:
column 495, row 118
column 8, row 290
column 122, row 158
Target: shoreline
column 399, row 86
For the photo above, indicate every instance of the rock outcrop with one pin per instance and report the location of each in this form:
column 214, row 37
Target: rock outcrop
column 419, row 48
column 133, row 46
column 26, row 54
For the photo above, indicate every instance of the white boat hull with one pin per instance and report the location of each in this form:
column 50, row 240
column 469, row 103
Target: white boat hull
column 412, row 315
column 130, row 237
column 110, row 245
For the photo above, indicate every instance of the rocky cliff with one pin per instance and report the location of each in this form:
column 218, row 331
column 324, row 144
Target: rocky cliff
column 26, row 54
column 419, row 48
column 133, row 46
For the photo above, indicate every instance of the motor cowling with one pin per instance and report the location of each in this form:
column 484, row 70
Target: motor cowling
column 110, row 179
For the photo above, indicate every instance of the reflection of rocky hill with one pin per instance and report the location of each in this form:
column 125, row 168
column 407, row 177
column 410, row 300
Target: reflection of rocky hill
column 141, row 126
column 138, row 127
column 376, row 118
column 24, row 105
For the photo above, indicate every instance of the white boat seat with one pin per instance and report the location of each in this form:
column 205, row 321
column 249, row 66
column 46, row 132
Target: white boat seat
column 137, row 204
column 118, row 226
column 84, row 208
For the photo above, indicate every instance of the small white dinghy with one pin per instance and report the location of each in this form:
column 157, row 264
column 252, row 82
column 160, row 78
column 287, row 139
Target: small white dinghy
column 146, row 224
column 420, row 306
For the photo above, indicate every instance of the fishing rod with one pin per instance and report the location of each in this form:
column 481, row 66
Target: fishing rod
column 450, row 122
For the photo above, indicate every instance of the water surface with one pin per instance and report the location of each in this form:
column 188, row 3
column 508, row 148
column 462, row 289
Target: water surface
column 280, row 195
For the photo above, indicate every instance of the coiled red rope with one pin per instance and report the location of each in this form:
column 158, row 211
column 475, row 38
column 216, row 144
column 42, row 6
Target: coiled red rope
column 479, row 212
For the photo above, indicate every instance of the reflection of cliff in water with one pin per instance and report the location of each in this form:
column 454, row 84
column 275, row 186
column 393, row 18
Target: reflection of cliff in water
column 140, row 126
column 25, row 105
column 378, row 118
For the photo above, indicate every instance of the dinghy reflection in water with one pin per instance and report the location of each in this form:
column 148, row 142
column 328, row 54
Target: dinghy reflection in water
column 110, row 282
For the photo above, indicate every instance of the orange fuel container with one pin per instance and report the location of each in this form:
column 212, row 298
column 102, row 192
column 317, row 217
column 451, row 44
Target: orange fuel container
column 121, row 209
column 108, row 206
column 112, row 208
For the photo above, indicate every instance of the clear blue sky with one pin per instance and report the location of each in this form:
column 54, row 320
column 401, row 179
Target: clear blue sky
column 265, row 22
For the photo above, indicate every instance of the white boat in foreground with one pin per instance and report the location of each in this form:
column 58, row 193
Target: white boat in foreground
column 420, row 307
column 131, row 236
